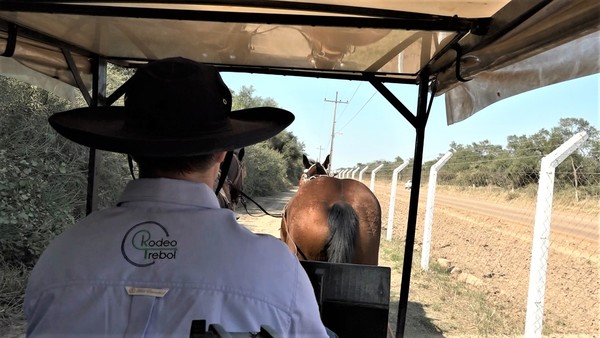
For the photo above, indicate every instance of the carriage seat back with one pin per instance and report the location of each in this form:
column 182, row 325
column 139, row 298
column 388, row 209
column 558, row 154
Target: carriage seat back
column 353, row 298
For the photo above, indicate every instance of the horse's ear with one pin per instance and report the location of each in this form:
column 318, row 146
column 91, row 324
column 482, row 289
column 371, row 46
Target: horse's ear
column 326, row 163
column 241, row 154
column 305, row 161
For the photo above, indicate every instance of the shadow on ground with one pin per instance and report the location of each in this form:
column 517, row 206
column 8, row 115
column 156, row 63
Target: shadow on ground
column 417, row 324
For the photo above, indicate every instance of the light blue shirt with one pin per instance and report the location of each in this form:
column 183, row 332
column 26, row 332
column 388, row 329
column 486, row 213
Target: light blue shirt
column 166, row 255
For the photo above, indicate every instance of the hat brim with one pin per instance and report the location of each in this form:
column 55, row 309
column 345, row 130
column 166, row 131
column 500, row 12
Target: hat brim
column 103, row 128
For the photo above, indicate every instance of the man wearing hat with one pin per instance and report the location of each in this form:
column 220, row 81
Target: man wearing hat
column 167, row 254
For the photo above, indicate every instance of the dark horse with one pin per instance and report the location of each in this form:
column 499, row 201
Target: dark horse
column 230, row 193
column 332, row 219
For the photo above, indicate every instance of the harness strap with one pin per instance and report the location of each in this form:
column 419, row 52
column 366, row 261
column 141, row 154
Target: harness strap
column 289, row 236
column 130, row 162
column 224, row 170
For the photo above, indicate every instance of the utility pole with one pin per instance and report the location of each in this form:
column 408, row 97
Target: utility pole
column 335, row 103
column 320, row 148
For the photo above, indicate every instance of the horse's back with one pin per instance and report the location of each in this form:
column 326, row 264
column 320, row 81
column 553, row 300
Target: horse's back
column 307, row 214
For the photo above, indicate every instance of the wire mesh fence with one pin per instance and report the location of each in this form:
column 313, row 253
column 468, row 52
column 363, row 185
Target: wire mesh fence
column 481, row 243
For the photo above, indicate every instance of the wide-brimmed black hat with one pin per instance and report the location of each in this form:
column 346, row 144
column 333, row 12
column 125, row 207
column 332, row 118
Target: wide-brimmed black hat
column 173, row 107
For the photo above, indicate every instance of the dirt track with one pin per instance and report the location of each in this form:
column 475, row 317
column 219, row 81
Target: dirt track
column 490, row 241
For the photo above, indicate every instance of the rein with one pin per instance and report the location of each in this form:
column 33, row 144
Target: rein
column 280, row 215
column 224, row 170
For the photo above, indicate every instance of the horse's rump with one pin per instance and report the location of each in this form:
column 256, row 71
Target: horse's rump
column 326, row 213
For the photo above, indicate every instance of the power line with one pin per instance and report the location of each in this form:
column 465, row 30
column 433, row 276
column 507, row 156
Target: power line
column 361, row 108
column 335, row 103
column 355, row 91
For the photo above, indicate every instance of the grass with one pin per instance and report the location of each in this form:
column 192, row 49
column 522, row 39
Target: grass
column 13, row 281
column 457, row 308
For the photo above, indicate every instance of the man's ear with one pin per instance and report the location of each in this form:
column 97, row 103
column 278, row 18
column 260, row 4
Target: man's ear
column 220, row 156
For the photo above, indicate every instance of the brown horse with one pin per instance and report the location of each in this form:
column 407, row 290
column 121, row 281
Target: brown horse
column 230, row 193
column 331, row 219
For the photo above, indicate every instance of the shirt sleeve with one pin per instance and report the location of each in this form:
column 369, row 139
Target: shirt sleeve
column 306, row 320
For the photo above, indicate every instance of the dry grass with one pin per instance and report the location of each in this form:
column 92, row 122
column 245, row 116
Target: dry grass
column 12, row 288
column 452, row 308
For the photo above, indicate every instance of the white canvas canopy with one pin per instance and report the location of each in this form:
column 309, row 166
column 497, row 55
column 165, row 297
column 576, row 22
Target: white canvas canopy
column 507, row 47
column 476, row 52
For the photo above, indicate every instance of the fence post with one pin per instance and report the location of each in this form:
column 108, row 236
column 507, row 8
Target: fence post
column 390, row 226
column 429, row 208
column 541, row 233
column 354, row 172
column 373, row 173
column 360, row 174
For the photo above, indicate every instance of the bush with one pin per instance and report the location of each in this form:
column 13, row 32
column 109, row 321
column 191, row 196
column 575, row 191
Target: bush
column 43, row 176
column 266, row 170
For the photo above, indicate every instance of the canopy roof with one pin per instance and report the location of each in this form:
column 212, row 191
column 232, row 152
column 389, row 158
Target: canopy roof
column 500, row 43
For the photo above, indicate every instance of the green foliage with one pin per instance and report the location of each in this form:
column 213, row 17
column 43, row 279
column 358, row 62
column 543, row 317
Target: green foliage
column 482, row 164
column 246, row 99
column 272, row 165
column 266, row 170
column 41, row 174
column 288, row 145
column 43, row 177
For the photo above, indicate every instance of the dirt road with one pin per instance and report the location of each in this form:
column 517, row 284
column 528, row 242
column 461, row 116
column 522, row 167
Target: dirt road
column 489, row 240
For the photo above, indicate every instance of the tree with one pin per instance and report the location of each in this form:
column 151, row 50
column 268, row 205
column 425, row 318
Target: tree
column 579, row 168
column 260, row 156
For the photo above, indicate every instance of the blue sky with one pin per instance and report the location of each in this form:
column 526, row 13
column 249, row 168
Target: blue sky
column 368, row 128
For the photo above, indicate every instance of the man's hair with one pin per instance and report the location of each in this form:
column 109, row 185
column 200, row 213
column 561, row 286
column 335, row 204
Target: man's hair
column 153, row 167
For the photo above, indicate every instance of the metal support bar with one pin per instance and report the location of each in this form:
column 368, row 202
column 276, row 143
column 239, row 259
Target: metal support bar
column 354, row 16
column 393, row 100
column 420, row 123
column 98, row 99
column 11, row 42
column 77, row 76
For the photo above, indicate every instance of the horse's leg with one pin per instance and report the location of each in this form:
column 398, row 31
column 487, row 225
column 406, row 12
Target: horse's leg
column 343, row 227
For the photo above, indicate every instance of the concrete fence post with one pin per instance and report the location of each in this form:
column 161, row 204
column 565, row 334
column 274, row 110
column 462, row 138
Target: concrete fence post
column 354, row 172
column 541, row 234
column 360, row 174
column 429, row 208
column 373, row 173
column 390, row 225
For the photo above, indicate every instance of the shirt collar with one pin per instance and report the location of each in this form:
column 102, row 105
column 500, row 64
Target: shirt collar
column 168, row 190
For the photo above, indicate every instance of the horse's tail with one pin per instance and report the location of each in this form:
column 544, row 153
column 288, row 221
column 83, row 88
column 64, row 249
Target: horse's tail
column 343, row 225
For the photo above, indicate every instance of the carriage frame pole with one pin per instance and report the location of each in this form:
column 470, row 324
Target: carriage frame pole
column 420, row 123
column 98, row 99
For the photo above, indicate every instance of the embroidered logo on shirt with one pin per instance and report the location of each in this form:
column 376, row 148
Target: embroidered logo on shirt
column 147, row 242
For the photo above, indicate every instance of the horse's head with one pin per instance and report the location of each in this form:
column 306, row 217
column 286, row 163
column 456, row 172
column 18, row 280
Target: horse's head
column 313, row 169
column 231, row 192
